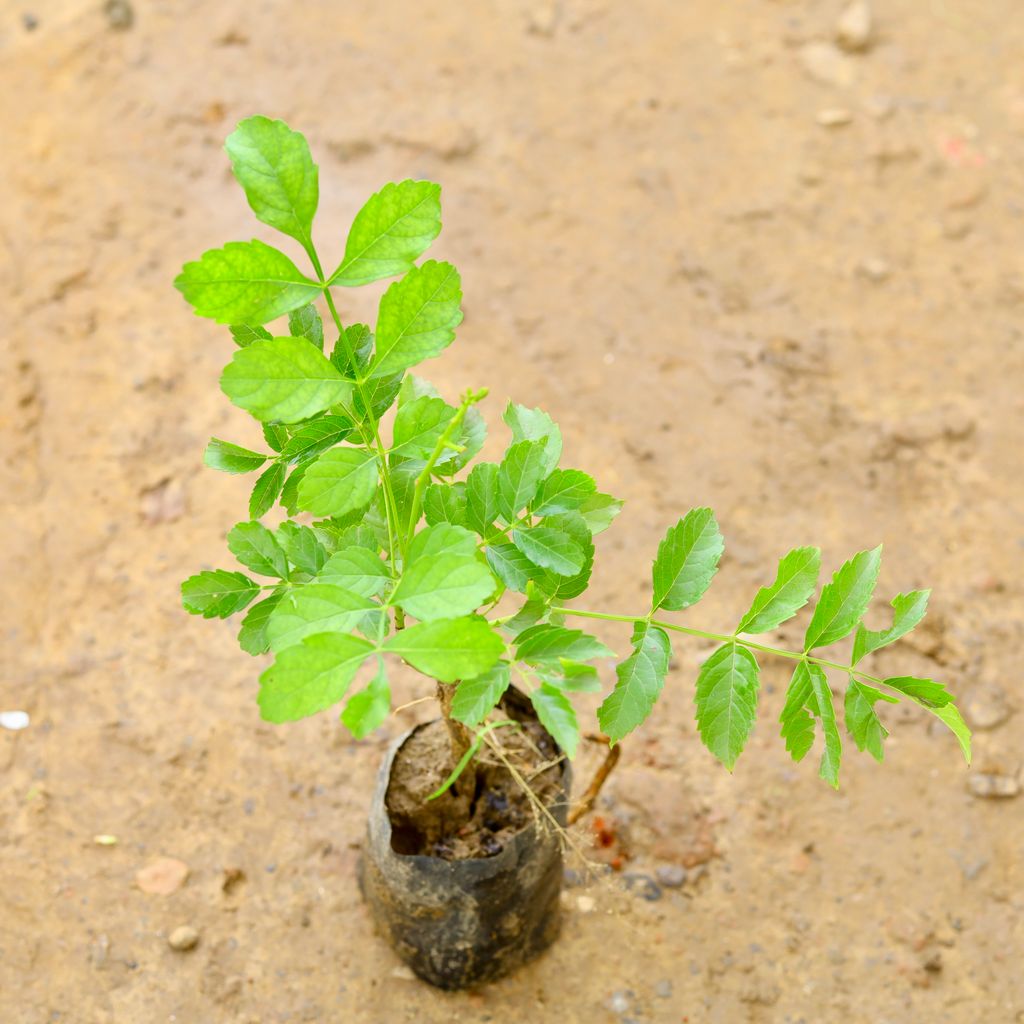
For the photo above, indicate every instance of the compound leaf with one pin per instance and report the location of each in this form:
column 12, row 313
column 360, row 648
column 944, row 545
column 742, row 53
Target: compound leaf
column 417, row 318
column 794, row 584
column 274, row 166
column 844, row 600
column 687, row 560
column 311, row 676
column 448, row 649
column 284, row 379
column 247, row 283
column 390, row 232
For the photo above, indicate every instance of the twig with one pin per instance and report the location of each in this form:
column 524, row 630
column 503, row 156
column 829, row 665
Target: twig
column 611, row 759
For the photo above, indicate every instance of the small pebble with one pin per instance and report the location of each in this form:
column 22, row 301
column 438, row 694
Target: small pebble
column 403, row 974
column 989, row 785
column 671, row 876
column 874, row 269
column 826, row 65
column 663, row 989
column 119, row 14
column 621, row 1002
column 183, row 939
column 834, row 117
column 585, row 904
column 986, row 708
column 14, row 720
column 642, row 885
column 105, row 839
column 29, row 21
column 853, row 29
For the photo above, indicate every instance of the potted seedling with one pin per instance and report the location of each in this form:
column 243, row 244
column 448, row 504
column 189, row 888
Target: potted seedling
column 395, row 545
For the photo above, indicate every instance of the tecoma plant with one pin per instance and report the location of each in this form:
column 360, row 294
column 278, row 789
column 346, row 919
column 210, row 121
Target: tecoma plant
column 404, row 549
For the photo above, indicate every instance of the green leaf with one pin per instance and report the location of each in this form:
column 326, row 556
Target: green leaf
column 390, row 232
column 357, row 569
column 640, row 679
column 231, row 458
column 244, row 283
column 244, row 335
column 357, row 338
column 599, row 510
column 908, row 611
column 441, row 539
column 315, row 437
column 284, row 379
column 687, row 560
column 311, row 676
column 571, row 677
column 511, row 566
column 274, row 166
column 417, row 318
column 794, row 584
column 476, row 698
column 448, row 649
column 797, row 721
column 303, row 547
column 305, row 323
column 927, row 692
column 565, row 490
column 726, row 699
column 217, row 593
column 562, row 588
column 548, row 643
column 290, row 490
column 821, row 705
column 369, row 708
column 558, row 716
column 445, row 503
column 534, row 425
column 550, row 549
column 443, row 587
column 471, row 438
column 419, row 425
column 952, row 718
column 844, row 600
column 314, row 608
column 266, row 490
column 276, row 434
column 482, row 497
column 519, row 475
column 255, row 547
column 252, row 637
column 339, row 481
column 862, row 721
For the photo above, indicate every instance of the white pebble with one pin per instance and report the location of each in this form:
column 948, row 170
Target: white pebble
column 14, row 720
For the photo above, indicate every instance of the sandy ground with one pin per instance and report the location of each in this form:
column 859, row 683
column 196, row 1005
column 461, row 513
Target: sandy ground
column 739, row 267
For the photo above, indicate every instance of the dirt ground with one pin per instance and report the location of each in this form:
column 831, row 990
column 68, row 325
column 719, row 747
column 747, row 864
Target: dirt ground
column 741, row 267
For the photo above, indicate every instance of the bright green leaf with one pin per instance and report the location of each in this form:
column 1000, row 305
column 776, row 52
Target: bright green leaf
column 266, row 490
column 274, row 166
column 311, row 676
column 550, row 549
column 641, row 678
column 417, row 318
column 794, row 584
column 726, row 699
column 687, row 560
column 558, row 716
column 244, row 283
column 534, row 425
column 599, row 510
column 255, row 547
column 441, row 539
column 926, row 692
column 475, row 698
column 390, row 232
column 565, row 490
column 339, row 481
column 548, row 643
column 862, row 721
column 244, row 335
column 217, row 593
column 908, row 611
column 303, row 547
column 519, row 475
column 563, row 588
column 284, row 379
column 357, row 569
column 443, row 587
column 448, row 649
column 844, row 600
column 276, row 434
column 482, row 497
column 419, row 425
column 369, row 708
column 445, row 503
column 315, row 437
column 797, row 721
column 231, row 458
column 252, row 637
column 511, row 566
column 305, row 323
column 952, row 719
column 821, row 704
column 314, row 608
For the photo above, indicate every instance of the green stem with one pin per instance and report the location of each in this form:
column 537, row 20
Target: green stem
column 726, row 638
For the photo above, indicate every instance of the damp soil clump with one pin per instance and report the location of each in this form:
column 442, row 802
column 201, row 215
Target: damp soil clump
column 487, row 806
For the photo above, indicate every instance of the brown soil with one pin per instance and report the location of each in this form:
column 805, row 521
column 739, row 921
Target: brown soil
column 476, row 818
column 740, row 269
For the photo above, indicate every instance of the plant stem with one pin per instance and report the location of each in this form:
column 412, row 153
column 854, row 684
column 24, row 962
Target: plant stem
column 586, row 804
column 721, row 638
